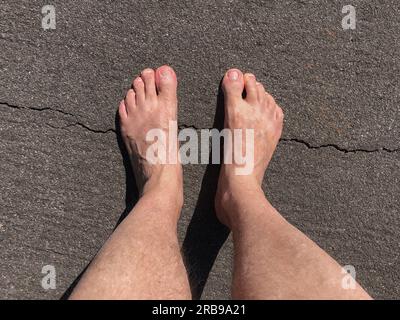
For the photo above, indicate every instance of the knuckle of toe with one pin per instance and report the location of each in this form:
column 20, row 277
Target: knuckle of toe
column 138, row 82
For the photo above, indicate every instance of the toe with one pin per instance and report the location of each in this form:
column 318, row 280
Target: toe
column 260, row 92
column 166, row 83
column 130, row 101
column 232, row 84
column 270, row 98
column 149, row 83
column 269, row 102
column 279, row 113
column 251, row 88
column 138, row 86
column 122, row 110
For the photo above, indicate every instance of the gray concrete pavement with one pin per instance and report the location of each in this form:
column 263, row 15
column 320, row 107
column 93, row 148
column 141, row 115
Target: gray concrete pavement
column 63, row 181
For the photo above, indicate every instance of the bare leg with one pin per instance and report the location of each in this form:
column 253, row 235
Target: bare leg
column 273, row 260
column 142, row 259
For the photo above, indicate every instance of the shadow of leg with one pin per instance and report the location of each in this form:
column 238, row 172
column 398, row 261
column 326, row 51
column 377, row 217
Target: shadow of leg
column 205, row 235
column 132, row 192
column 131, row 196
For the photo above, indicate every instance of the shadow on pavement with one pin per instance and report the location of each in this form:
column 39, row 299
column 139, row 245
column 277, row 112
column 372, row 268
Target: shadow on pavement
column 205, row 234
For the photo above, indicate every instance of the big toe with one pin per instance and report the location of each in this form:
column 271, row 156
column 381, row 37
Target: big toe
column 233, row 84
column 166, row 83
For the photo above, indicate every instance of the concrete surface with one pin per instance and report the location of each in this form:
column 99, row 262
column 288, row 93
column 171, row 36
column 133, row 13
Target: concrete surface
column 63, row 181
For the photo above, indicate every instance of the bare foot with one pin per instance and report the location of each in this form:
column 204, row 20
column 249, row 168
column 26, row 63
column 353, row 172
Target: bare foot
column 151, row 104
column 258, row 111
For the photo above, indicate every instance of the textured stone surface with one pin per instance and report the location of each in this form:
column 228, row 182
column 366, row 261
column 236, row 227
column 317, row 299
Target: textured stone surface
column 63, row 181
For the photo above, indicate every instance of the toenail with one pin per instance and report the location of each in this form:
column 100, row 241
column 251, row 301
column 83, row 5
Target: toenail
column 165, row 73
column 147, row 71
column 233, row 75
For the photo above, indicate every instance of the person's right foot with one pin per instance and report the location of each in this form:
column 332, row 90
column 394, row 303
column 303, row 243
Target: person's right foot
column 151, row 103
column 258, row 111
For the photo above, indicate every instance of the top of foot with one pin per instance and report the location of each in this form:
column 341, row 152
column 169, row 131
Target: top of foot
column 247, row 106
column 151, row 103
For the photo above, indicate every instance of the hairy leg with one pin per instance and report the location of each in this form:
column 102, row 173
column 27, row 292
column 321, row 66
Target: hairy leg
column 273, row 260
column 141, row 259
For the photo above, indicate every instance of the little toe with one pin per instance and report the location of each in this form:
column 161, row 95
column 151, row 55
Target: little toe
column 122, row 111
column 279, row 113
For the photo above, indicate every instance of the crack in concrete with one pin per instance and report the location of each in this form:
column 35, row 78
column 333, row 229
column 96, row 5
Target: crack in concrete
column 184, row 126
column 338, row 148
column 310, row 146
column 13, row 106
column 54, row 251
column 77, row 123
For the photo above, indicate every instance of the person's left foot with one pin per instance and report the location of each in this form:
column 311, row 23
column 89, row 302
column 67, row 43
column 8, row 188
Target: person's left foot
column 259, row 112
column 151, row 104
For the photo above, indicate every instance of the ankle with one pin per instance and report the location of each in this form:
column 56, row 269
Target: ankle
column 234, row 194
column 166, row 186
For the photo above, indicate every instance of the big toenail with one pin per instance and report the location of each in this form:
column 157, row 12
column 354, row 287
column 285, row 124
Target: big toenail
column 233, row 75
column 165, row 74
